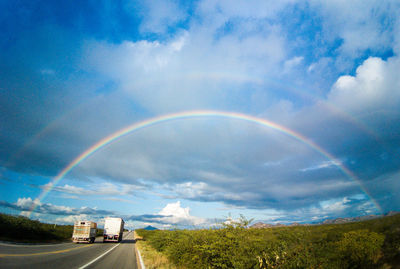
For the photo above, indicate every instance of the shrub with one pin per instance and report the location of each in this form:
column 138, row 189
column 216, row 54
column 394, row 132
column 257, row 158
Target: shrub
column 360, row 248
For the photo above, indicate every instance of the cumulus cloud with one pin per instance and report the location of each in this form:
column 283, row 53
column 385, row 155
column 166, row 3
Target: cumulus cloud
column 374, row 87
column 171, row 214
column 175, row 214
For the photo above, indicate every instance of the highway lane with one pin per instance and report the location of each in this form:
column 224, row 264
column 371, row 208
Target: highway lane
column 70, row 255
column 122, row 256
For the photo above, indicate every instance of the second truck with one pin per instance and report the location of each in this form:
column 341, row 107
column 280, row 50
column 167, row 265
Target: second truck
column 113, row 229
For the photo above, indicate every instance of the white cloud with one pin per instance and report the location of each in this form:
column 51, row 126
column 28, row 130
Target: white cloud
column 360, row 24
column 356, row 205
column 292, row 63
column 175, row 214
column 324, row 164
column 374, row 87
column 191, row 189
column 193, row 69
column 99, row 188
column 25, row 213
column 72, row 218
column 30, row 206
column 28, row 203
column 332, row 205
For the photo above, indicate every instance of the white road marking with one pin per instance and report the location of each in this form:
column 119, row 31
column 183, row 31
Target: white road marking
column 138, row 253
column 140, row 259
column 105, row 253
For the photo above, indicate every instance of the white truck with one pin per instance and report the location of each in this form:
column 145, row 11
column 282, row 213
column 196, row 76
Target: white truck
column 113, row 229
column 84, row 231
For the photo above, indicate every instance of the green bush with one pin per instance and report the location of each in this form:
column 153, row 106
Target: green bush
column 360, row 249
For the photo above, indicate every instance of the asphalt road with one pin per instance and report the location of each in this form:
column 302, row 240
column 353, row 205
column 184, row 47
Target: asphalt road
column 71, row 255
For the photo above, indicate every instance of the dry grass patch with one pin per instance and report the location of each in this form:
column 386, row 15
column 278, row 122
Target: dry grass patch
column 152, row 259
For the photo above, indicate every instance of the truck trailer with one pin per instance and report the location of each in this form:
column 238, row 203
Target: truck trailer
column 84, row 231
column 113, row 229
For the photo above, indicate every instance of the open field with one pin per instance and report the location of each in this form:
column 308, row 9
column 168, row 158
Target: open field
column 368, row 244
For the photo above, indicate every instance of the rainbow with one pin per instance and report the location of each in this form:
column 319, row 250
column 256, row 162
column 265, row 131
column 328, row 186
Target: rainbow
column 198, row 114
column 286, row 86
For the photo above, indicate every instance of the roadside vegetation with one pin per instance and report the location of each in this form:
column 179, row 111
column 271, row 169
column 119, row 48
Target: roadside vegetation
column 152, row 258
column 368, row 244
column 23, row 229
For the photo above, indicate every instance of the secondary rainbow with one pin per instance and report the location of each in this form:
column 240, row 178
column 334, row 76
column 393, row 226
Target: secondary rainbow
column 198, row 114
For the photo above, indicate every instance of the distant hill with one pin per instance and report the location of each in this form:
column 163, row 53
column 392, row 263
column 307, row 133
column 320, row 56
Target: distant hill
column 352, row 219
column 327, row 221
column 355, row 219
column 392, row 213
column 267, row 225
column 150, row 228
column 261, row 225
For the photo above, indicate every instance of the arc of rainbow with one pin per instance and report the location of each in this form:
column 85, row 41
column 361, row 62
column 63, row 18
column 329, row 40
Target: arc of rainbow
column 197, row 114
column 287, row 86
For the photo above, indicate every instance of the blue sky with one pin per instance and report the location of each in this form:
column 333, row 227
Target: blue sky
column 73, row 73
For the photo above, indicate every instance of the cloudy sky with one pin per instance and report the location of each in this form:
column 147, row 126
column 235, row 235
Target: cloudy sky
column 325, row 75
